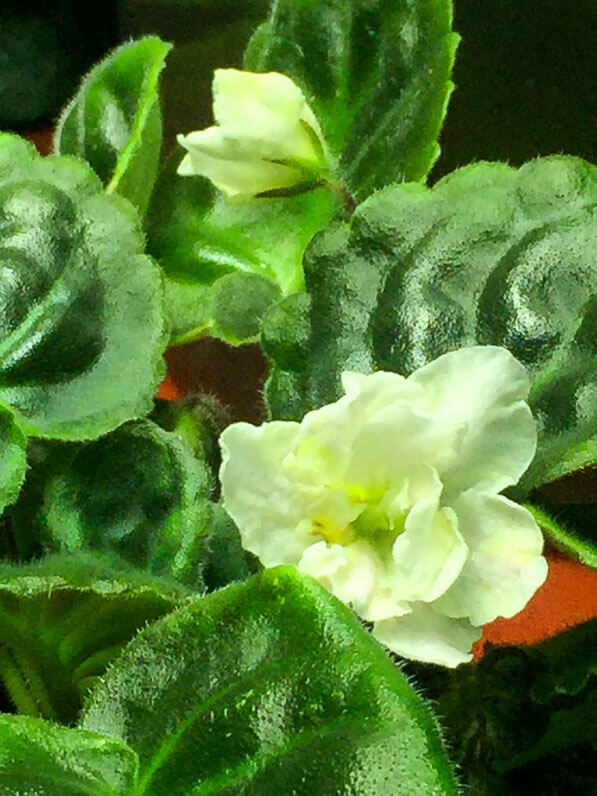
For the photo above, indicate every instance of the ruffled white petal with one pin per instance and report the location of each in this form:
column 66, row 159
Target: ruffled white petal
column 227, row 170
column 483, row 387
column 355, row 575
column 389, row 498
column 257, row 495
column 505, row 566
column 268, row 107
column 425, row 635
column 402, row 440
column 430, row 554
column 266, row 137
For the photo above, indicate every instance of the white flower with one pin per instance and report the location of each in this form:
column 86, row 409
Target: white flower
column 266, row 137
column 389, row 497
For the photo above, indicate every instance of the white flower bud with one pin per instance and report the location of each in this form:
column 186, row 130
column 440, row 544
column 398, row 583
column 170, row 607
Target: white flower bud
column 266, row 138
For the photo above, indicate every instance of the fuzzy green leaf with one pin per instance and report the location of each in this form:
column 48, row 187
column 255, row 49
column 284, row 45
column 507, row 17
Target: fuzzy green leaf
column 490, row 255
column 138, row 493
column 200, row 239
column 63, row 619
column 81, row 328
column 521, row 706
column 565, row 536
column 37, row 757
column 271, row 686
column 375, row 72
column 114, row 121
column 13, row 458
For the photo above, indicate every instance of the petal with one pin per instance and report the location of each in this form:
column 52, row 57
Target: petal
column 236, row 178
column 317, row 458
column 355, row 575
column 397, row 442
column 250, row 98
column 268, row 107
column 430, row 553
column 373, row 391
column 216, row 143
column 185, row 168
column 484, row 387
column 356, row 414
column 393, row 435
column 505, row 566
column 259, row 498
column 424, row 635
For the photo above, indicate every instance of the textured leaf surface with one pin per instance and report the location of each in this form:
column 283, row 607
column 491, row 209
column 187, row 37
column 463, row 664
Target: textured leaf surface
column 524, row 705
column 114, row 121
column 268, row 687
column 13, row 458
column 225, row 263
column 63, row 619
column 491, row 255
column 566, row 536
column 138, row 493
column 81, row 328
column 37, row 757
column 375, row 72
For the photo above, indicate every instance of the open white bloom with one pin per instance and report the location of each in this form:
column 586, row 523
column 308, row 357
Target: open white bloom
column 266, row 137
column 389, row 497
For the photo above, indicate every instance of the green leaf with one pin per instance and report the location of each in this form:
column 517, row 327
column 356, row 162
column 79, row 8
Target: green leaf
column 63, row 619
column 565, row 537
column 138, row 493
column 226, row 560
column 199, row 238
column 489, row 713
column 13, row 458
column 523, row 705
column 25, row 534
column 375, row 72
column 81, row 328
column 490, row 255
column 271, row 686
column 198, row 419
column 114, row 121
column 42, row 758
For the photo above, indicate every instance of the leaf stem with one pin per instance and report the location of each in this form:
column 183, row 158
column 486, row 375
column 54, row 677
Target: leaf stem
column 339, row 187
column 24, row 685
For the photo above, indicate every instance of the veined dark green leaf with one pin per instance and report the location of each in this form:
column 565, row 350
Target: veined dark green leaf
column 63, row 619
column 38, row 757
column 81, row 327
column 225, row 560
column 114, row 121
column 525, row 706
column 375, row 72
column 13, row 458
column 269, row 687
column 138, row 493
column 226, row 263
column 490, row 255
column 565, row 536
column 198, row 419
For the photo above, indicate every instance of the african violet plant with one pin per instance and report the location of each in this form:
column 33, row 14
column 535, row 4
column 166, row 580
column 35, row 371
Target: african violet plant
column 191, row 605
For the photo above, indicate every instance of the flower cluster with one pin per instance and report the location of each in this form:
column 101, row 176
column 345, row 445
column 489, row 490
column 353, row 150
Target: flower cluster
column 390, row 498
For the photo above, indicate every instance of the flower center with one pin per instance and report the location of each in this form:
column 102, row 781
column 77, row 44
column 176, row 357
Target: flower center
column 379, row 523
